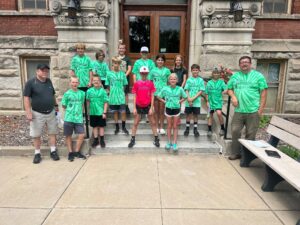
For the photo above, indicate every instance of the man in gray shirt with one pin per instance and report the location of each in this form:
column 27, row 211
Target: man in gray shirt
column 40, row 104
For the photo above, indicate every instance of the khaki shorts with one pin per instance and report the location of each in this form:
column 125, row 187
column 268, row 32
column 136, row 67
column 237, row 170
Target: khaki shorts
column 38, row 122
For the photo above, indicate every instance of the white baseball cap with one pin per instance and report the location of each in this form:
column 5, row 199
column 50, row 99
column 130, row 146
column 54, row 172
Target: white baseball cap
column 144, row 49
column 144, row 69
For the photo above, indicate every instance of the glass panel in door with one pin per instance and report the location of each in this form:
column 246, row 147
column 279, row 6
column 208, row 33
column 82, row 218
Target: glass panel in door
column 139, row 33
column 169, row 34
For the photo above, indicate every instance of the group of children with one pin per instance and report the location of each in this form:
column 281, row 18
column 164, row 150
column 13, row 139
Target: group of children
column 157, row 93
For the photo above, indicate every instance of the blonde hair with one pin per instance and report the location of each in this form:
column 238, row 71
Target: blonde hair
column 173, row 75
column 80, row 45
column 116, row 59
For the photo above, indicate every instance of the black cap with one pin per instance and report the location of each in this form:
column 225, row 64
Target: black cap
column 42, row 66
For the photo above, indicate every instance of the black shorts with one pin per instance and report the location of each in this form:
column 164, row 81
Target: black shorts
column 69, row 127
column 190, row 110
column 103, row 84
column 97, row 121
column 117, row 108
column 83, row 89
column 214, row 110
column 172, row 112
column 143, row 110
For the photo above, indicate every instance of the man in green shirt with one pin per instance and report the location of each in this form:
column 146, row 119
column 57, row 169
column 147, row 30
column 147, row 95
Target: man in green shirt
column 72, row 102
column 143, row 61
column 248, row 91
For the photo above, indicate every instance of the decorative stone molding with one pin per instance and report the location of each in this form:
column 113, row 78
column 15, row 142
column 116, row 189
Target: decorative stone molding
column 92, row 14
column 227, row 21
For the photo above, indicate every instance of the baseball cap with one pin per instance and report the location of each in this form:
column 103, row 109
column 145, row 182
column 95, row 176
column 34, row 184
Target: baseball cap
column 144, row 49
column 42, row 66
column 144, row 69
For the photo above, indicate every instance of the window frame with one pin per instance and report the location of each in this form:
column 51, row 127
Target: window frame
column 288, row 11
column 281, row 82
column 22, row 9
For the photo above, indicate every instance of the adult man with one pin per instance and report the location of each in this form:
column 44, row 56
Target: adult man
column 248, row 91
column 39, row 102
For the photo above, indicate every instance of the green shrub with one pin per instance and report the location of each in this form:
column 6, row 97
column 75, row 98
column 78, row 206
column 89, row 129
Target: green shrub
column 290, row 151
column 264, row 121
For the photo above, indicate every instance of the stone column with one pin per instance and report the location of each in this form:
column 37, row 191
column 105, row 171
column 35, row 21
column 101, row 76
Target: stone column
column 225, row 40
column 90, row 27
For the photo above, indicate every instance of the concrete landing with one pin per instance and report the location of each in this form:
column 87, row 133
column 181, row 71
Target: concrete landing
column 137, row 189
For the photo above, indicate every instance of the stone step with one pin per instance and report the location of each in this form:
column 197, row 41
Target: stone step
column 148, row 136
column 186, row 147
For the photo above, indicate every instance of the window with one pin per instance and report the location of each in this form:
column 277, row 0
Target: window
column 274, row 72
column 29, row 66
column 276, row 6
column 34, row 4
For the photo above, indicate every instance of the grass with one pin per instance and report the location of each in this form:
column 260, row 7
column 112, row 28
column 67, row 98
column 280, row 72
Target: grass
column 290, row 151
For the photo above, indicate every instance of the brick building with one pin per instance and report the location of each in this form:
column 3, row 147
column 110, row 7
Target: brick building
column 203, row 31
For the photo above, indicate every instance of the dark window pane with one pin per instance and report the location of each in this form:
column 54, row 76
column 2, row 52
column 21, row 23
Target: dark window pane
column 41, row 4
column 29, row 4
column 273, row 75
column 169, row 34
column 275, row 6
column 280, row 7
column 139, row 33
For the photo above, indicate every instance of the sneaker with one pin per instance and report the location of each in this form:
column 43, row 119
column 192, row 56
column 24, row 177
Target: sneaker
column 71, row 156
column 162, row 131
column 168, row 146
column 102, row 144
column 79, row 155
column 196, row 133
column 186, row 132
column 125, row 131
column 156, row 142
column 95, row 143
column 209, row 133
column 117, row 130
column 222, row 132
column 147, row 120
column 131, row 143
column 54, row 155
column 37, row 158
column 175, row 147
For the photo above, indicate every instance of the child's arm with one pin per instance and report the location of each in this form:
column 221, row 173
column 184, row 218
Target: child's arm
column 196, row 96
column 104, row 110
column 134, row 105
column 184, row 80
column 161, row 99
column 152, row 104
column 88, row 106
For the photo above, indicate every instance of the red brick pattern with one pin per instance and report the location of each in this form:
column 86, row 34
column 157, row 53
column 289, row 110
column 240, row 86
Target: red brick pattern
column 277, row 29
column 8, row 5
column 27, row 25
column 296, row 7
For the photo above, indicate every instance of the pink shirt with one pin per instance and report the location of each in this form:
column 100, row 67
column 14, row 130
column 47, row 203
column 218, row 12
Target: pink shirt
column 143, row 91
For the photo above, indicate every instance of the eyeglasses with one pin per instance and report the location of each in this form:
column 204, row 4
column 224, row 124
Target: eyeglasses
column 244, row 62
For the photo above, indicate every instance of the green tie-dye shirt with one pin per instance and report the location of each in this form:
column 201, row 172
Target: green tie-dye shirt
column 193, row 85
column 116, row 82
column 73, row 102
column 159, row 76
column 172, row 96
column 82, row 65
column 97, row 98
column 139, row 63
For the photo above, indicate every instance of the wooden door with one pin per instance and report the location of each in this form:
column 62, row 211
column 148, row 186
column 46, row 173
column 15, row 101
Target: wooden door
column 161, row 31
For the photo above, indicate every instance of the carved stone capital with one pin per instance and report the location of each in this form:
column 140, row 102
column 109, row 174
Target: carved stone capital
column 55, row 7
column 227, row 21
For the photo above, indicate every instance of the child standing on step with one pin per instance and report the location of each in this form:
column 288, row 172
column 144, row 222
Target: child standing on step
column 159, row 75
column 172, row 96
column 214, row 90
column 143, row 101
column 72, row 102
column 194, row 88
column 97, row 104
column 116, row 81
column 100, row 67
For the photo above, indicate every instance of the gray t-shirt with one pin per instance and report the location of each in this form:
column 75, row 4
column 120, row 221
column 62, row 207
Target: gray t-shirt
column 41, row 94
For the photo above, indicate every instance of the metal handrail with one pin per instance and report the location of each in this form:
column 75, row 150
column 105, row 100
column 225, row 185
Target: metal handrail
column 227, row 117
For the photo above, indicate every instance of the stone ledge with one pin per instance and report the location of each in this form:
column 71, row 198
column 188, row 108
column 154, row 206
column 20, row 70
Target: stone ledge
column 27, row 42
column 275, row 45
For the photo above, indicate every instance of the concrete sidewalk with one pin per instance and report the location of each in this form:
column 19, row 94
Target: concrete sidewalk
column 141, row 189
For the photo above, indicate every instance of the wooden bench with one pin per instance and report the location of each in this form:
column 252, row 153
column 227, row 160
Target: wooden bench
column 277, row 169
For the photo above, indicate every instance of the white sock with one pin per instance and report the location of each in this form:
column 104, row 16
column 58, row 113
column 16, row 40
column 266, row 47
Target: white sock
column 52, row 148
column 37, row 151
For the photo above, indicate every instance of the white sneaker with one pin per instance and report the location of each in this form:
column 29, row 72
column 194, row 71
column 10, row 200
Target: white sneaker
column 162, row 131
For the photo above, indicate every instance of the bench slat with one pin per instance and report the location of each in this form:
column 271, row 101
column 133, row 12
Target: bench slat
column 284, row 136
column 286, row 167
column 286, row 125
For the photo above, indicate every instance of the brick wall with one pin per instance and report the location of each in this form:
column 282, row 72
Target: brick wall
column 27, row 25
column 8, row 5
column 277, row 29
column 296, row 7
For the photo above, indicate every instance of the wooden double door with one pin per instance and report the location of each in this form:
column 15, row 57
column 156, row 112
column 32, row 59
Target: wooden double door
column 161, row 31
